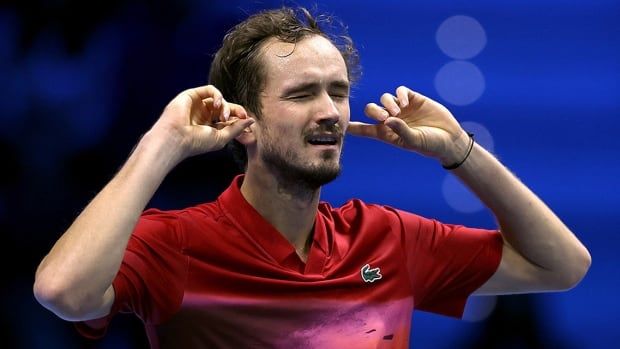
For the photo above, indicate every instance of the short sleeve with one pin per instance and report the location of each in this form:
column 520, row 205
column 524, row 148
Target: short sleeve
column 446, row 262
column 152, row 276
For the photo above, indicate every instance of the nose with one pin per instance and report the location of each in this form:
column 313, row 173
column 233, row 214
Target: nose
column 327, row 110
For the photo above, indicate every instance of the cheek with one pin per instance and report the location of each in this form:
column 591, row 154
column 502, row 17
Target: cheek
column 345, row 116
column 280, row 135
column 285, row 132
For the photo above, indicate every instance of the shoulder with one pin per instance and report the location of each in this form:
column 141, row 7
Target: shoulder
column 356, row 211
column 173, row 225
column 356, row 208
column 360, row 216
column 179, row 216
column 349, row 209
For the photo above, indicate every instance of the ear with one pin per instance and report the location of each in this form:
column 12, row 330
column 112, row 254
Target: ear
column 248, row 136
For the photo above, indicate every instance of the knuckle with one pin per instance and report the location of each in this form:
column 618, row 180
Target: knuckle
column 213, row 91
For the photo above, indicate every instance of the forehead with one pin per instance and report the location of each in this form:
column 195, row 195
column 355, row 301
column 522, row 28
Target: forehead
column 310, row 59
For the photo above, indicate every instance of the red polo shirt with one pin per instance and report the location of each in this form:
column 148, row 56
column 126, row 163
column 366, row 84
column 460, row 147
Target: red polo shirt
column 218, row 275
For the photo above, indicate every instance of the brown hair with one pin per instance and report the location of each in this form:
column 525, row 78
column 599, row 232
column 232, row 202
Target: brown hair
column 238, row 72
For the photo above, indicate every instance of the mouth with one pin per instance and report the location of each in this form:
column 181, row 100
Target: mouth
column 323, row 139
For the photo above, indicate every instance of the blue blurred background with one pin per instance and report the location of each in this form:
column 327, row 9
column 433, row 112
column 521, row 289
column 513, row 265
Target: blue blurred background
column 537, row 81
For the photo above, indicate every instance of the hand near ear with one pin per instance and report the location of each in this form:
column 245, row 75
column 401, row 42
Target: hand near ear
column 201, row 120
column 411, row 121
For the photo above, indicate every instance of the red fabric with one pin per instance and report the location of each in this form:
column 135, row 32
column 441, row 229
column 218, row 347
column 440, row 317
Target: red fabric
column 219, row 275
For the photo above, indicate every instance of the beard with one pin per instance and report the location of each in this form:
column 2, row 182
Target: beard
column 293, row 172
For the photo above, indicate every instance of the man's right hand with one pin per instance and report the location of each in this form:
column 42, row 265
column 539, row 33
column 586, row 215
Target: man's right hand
column 200, row 120
column 75, row 279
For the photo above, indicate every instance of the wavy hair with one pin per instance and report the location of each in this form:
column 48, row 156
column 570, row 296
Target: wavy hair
column 238, row 72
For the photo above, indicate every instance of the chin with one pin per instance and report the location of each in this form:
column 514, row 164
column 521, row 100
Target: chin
column 311, row 176
column 321, row 176
column 317, row 170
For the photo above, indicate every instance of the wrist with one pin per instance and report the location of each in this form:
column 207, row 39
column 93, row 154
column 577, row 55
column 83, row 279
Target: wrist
column 163, row 150
column 458, row 151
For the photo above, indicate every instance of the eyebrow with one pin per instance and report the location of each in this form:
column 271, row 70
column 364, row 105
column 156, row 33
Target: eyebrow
column 339, row 85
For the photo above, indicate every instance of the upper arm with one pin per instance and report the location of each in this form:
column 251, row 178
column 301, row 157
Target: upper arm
column 516, row 274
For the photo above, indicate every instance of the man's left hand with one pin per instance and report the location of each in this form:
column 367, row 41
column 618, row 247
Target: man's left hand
column 414, row 122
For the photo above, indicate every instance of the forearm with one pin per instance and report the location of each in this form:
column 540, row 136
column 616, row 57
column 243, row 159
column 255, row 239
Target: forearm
column 79, row 269
column 539, row 253
column 525, row 221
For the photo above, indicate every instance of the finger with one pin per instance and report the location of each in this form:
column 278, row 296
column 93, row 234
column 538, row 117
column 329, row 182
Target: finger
column 205, row 113
column 225, row 110
column 206, row 91
column 209, row 111
column 238, row 111
column 402, row 94
column 363, row 129
column 233, row 119
column 416, row 99
column 236, row 128
column 214, row 112
column 389, row 102
column 221, row 124
column 208, row 103
column 374, row 111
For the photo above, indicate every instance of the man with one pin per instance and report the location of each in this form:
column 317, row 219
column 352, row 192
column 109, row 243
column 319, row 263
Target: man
column 267, row 264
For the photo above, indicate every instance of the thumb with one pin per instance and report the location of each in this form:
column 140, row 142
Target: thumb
column 411, row 136
column 398, row 126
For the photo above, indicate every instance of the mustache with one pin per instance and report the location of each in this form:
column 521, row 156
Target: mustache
column 333, row 129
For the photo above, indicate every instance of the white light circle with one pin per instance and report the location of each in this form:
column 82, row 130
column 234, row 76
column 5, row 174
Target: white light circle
column 481, row 134
column 459, row 197
column 461, row 37
column 459, row 83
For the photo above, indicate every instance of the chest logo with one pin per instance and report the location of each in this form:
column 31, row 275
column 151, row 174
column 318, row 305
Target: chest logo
column 370, row 274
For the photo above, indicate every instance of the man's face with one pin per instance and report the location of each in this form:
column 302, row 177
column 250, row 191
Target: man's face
column 305, row 110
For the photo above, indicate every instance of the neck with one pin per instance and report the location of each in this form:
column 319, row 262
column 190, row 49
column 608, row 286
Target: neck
column 291, row 208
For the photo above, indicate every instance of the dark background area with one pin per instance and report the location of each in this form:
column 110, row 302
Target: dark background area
column 538, row 84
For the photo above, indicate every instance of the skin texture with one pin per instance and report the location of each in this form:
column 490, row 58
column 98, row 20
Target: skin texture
column 305, row 103
column 306, row 95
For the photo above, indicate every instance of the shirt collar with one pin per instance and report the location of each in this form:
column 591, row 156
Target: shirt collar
column 258, row 229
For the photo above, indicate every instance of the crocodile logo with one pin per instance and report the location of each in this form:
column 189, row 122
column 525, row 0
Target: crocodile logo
column 370, row 274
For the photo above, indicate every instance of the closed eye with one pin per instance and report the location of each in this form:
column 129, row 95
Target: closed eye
column 299, row 97
column 338, row 97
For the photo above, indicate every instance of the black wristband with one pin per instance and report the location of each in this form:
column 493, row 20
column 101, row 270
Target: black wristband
column 457, row 164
